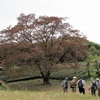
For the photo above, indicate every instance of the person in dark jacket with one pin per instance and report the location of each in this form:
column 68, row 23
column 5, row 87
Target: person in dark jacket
column 92, row 87
column 98, row 85
column 81, row 85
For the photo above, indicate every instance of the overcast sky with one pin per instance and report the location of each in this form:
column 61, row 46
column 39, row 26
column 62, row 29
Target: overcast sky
column 83, row 14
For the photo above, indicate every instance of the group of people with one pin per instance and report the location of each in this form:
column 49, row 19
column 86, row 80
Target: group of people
column 74, row 83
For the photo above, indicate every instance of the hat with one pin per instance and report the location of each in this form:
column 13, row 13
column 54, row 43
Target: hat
column 74, row 77
column 97, row 79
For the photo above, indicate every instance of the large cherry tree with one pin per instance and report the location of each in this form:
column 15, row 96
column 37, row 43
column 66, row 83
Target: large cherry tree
column 41, row 41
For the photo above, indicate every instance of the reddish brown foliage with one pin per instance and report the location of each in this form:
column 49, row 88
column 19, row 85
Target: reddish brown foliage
column 42, row 41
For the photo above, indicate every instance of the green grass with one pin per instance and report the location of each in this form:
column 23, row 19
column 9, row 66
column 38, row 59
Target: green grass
column 35, row 90
column 3, row 87
column 48, row 95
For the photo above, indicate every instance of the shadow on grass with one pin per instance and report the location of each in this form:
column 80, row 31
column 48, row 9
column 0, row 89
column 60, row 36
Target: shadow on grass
column 35, row 85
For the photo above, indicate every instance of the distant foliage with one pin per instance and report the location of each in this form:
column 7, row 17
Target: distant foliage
column 90, row 44
column 93, row 50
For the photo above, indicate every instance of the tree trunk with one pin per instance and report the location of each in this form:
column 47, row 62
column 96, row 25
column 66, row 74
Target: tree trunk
column 89, row 73
column 46, row 80
column 97, row 72
column 45, row 76
column 88, row 69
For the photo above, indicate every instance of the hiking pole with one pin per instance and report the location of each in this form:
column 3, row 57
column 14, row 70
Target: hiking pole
column 89, row 90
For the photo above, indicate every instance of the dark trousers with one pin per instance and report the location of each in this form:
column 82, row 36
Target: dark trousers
column 93, row 92
column 65, row 89
column 99, row 92
column 82, row 90
column 74, row 89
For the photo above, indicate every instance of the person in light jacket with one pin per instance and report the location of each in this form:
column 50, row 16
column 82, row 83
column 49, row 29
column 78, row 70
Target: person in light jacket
column 65, row 84
column 73, row 84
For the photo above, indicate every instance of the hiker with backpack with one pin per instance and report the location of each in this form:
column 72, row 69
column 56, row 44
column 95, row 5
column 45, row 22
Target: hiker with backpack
column 93, row 87
column 81, row 85
column 65, row 85
column 98, row 86
column 73, row 84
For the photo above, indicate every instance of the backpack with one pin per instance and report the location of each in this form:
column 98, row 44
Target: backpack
column 94, row 86
column 65, row 84
column 72, row 84
column 80, row 84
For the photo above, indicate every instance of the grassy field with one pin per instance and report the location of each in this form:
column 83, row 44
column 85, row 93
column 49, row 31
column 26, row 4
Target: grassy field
column 35, row 90
column 44, row 95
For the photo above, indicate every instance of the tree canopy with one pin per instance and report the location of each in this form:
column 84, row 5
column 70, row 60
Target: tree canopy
column 42, row 41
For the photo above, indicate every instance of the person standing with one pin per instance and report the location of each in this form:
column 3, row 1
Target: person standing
column 98, row 86
column 93, row 87
column 65, row 85
column 81, row 85
column 73, row 84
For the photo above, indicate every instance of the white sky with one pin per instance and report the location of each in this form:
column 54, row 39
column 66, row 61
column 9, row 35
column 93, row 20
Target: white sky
column 83, row 14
